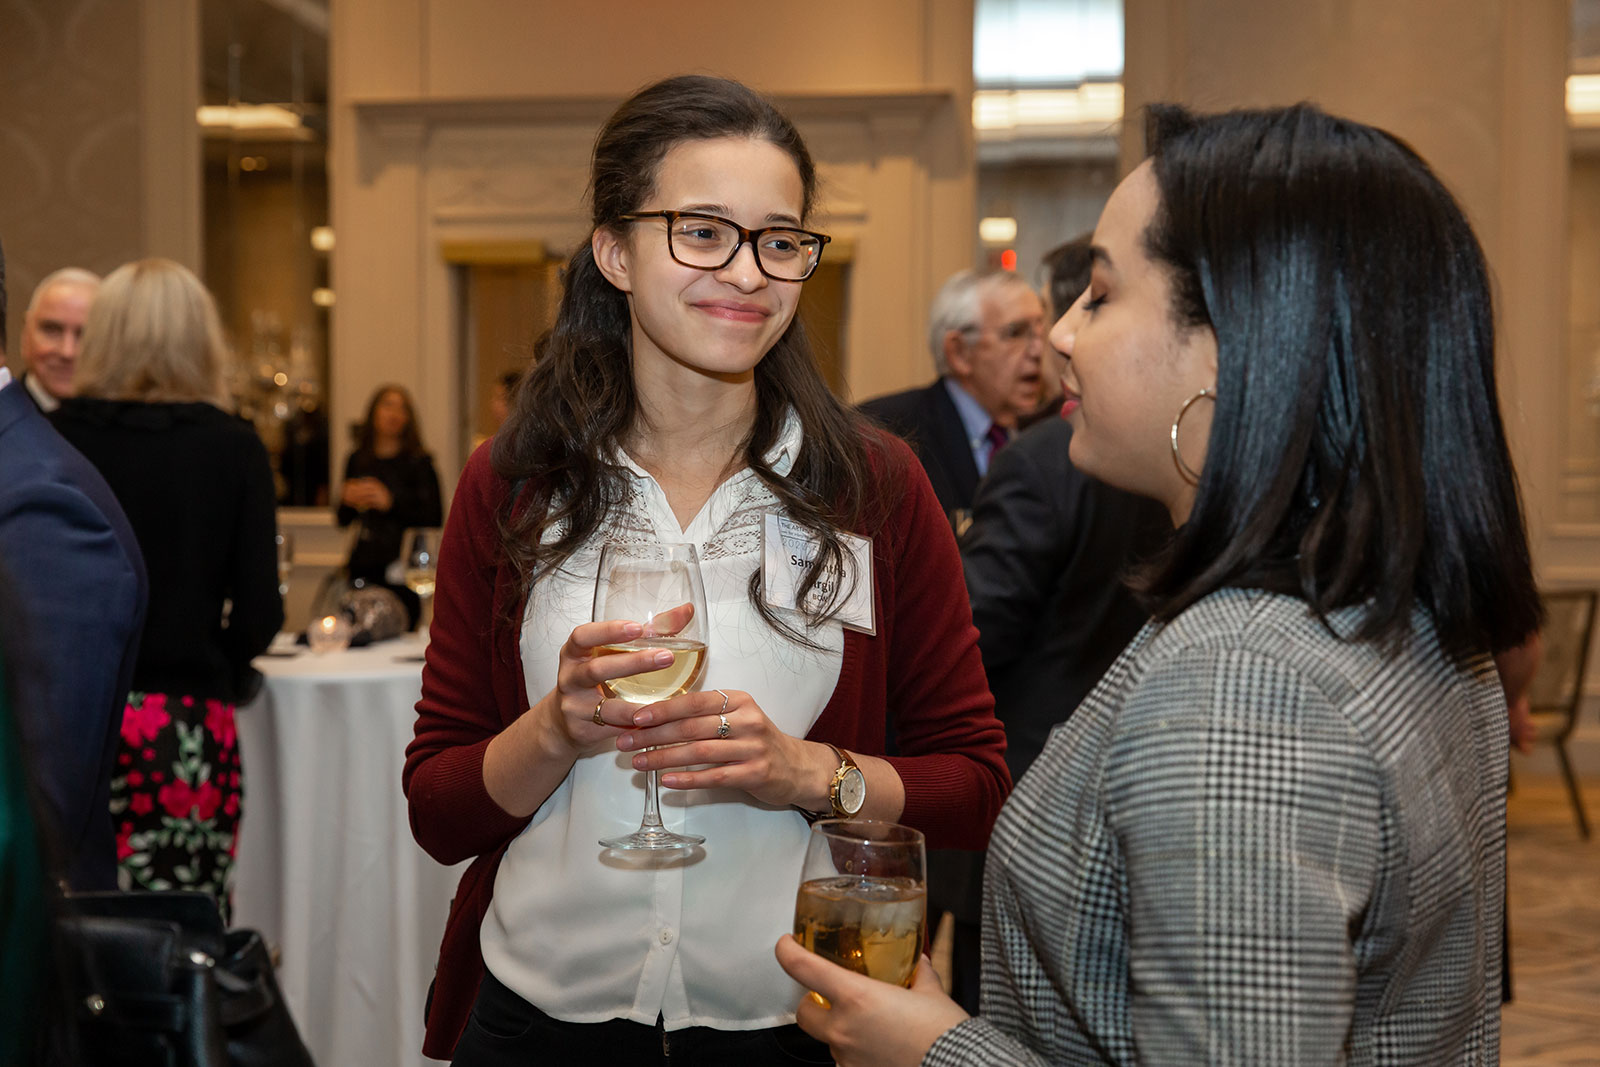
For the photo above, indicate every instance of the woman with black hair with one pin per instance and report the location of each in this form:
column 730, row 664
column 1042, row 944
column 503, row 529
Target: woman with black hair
column 1275, row 831
column 677, row 400
column 390, row 485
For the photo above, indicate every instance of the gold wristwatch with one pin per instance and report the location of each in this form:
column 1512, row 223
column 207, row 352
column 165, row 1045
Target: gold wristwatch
column 848, row 791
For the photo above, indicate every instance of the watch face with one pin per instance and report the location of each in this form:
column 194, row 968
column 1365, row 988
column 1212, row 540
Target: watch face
column 852, row 790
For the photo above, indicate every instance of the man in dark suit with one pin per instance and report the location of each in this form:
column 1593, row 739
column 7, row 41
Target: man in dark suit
column 79, row 582
column 1044, row 560
column 986, row 333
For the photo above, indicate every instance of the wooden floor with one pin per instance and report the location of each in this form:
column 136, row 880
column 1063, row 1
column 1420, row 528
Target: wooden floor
column 1554, row 877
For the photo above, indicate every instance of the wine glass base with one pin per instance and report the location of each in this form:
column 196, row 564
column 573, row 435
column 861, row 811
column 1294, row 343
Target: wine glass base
column 653, row 839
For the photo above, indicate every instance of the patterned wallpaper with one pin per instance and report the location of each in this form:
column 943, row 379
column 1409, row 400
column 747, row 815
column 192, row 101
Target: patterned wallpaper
column 71, row 190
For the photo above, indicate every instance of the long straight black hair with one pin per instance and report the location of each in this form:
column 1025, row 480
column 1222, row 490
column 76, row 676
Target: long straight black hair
column 1357, row 455
column 577, row 402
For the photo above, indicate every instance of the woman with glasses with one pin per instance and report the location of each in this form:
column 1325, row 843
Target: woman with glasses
column 676, row 400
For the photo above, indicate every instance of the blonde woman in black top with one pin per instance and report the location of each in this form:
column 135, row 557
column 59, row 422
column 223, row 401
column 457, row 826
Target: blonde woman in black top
column 197, row 488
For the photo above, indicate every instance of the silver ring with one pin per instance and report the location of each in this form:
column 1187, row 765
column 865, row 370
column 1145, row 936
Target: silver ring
column 724, row 730
column 598, row 721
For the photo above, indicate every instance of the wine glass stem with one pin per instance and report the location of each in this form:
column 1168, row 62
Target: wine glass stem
column 652, row 808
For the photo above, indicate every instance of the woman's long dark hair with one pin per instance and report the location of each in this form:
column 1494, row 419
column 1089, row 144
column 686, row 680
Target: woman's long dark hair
column 410, row 437
column 1357, row 455
column 577, row 403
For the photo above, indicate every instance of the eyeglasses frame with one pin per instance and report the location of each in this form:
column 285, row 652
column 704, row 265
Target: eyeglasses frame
column 745, row 237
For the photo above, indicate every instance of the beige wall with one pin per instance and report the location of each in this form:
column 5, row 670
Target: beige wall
column 1581, row 454
column 99, row 152
column 473, row 121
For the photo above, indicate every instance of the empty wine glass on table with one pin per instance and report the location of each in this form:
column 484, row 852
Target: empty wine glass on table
column 863, row 897
column 422, row 568
column 659, row 587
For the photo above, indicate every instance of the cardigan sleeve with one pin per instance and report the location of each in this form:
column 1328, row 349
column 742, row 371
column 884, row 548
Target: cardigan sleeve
column 950, row 748
column 1249, row 816
column 452, row 815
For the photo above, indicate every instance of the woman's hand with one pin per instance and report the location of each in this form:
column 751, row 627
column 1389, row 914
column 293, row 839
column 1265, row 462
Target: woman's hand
column 378, row 496
column 367, row 494
column 572, row 706
column 868, row 1023
column 754, row 756
column 525, row 762
column 354, row 493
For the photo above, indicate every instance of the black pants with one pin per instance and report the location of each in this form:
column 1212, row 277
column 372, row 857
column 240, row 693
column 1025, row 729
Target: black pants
column 505, row 1029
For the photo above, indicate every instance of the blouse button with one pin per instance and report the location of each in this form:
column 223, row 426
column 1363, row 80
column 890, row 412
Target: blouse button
column 666, row 936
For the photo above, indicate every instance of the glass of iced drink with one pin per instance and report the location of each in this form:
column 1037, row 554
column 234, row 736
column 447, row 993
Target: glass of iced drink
column 863, row 897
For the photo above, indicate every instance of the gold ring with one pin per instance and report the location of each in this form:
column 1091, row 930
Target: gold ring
column 598, row 721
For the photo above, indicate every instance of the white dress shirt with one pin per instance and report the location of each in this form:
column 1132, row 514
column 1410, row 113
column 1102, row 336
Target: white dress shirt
column 589, row 935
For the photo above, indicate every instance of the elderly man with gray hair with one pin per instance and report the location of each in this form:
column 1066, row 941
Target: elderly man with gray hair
column 52, row 333
column 986, row 334
column 78, row 589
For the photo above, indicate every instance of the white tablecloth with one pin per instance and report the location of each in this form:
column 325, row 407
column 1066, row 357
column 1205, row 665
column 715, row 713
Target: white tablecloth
column 327, row 867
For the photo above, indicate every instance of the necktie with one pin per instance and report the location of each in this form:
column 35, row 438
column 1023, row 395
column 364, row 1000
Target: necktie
column 997, row 437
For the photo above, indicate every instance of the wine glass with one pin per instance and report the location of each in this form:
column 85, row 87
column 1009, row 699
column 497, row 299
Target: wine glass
column 659, row 587
column 422, row 567
column 285, row 545
column 863, row 897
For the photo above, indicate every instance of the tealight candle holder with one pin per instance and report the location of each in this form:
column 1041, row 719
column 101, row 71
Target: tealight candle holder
column 331, row 633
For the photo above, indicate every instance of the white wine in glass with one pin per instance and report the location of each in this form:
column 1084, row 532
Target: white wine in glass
column 863, row 897
column 422, row 568
column 659, row 587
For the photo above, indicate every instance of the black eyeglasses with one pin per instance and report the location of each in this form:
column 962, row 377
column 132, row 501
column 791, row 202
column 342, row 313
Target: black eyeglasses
column 709, row 242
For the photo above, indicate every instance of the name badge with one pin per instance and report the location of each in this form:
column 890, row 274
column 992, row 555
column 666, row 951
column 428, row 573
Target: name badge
column 787, row 549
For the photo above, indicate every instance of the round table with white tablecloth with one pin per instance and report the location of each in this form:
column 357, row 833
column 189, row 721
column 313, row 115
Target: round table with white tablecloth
column 328, row 870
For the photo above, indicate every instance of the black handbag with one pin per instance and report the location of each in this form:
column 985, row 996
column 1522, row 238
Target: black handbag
column 156, row 980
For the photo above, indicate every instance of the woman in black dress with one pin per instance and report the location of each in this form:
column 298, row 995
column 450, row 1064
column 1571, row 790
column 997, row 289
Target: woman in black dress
column 389, row 486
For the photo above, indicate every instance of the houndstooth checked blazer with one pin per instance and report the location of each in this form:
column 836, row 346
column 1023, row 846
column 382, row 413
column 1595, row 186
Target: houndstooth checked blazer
column 1254, row 843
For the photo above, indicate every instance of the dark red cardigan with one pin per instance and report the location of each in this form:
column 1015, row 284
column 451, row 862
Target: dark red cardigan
column 922, row 667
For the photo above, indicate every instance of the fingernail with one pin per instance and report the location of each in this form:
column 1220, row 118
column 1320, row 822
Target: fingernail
column 643, row 718
column 633, row 629
column 625, row 742
column 640, row 762
column 667, row 779
column 664, row 658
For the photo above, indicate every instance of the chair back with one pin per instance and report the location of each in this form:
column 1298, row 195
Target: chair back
column 1569, row 625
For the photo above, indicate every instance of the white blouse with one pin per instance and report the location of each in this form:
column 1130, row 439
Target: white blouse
column 589, row 935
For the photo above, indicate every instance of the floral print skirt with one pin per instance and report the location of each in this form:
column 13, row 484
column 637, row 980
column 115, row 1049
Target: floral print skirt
column 176, row 795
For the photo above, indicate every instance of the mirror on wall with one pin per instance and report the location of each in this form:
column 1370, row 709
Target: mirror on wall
column 264, row 93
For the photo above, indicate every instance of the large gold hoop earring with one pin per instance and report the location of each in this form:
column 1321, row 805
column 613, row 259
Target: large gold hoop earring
column 1184, row 470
